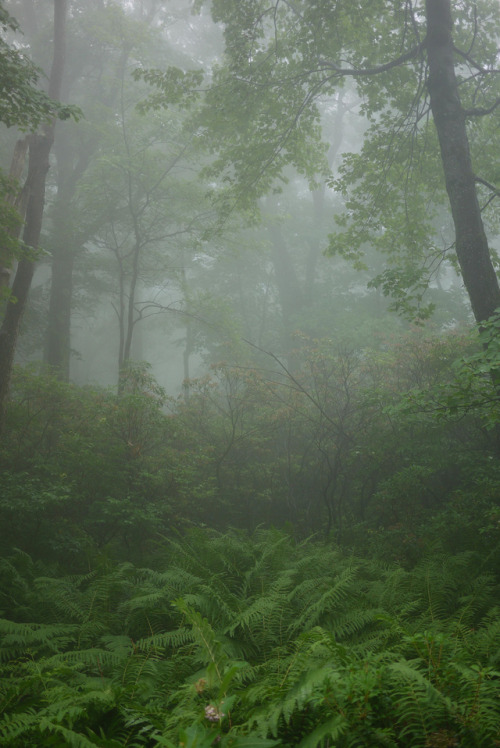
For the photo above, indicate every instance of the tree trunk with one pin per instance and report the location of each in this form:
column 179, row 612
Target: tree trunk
column 471, row 243
column 58, row 341
column 289, row 292
column 38, row 166
column 189, row 340
column 66, row 241
column 62, row 242
column 315, row 238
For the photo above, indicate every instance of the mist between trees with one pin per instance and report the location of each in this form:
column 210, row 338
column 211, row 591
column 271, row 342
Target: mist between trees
column 249, row 373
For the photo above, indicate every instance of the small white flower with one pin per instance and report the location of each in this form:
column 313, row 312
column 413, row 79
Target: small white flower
column 213, row 714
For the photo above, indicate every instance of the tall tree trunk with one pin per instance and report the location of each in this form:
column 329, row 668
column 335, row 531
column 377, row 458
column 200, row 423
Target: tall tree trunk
column 38, row 166
column 471, row 243
column 67, row 241
column 189, row 340
column 289, row 292
column 315, row 239
column 58, row 341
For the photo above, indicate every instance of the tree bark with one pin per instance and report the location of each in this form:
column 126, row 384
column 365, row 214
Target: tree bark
column 38, row 166
column 471, row 244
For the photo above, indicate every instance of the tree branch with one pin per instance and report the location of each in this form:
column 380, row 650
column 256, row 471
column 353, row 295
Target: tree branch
column 495, row 191
column 297, row 385
column 473, row 63
column 358, row 72
column 481, row 111
column 490, row 186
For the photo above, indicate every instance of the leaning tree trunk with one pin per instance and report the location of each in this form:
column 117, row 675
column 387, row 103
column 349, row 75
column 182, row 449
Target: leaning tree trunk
column 38, row 166
column 471, row 243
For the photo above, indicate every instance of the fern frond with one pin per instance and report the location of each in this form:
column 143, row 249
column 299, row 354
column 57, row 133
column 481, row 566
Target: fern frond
column 331, row 730
column 332, row 599
column 17, row 638
column 420, row 707
column 166, row 641
column 70, row 737
column 260, row 614
column 14, row 726
column 209, row 647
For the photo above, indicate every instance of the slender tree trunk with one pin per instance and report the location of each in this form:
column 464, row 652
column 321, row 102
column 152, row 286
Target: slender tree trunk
column 131, row 318
column 316, row 237
column 289, row 292
column 66, row 240
column 58, row 341
column 128, row 312
column 38, row 166
column 62, row 242
column 471, row 243
column 189, row 344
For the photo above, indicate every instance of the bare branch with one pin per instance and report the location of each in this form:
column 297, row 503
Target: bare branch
column 488, row 201
column 359, row 72
column 490, row 186
column 416, row 29
column 482, row 111
column 297, row 385
column 495, row 191
column 473, row 63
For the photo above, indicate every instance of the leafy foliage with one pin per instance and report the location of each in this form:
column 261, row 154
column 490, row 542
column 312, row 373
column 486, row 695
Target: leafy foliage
column 22, row 103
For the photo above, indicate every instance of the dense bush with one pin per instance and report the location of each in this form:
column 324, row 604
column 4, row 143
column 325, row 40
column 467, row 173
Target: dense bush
column 351, row 440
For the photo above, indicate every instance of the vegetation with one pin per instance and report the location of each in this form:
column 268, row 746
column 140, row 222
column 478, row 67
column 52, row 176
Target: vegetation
column 252, row 640
column 127, row 620
column 242, row 501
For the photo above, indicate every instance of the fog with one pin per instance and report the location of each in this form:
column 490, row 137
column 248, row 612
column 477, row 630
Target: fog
column 249, row 373
column 167, row 264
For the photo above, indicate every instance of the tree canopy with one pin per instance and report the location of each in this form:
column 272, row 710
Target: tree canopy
column 408, row 61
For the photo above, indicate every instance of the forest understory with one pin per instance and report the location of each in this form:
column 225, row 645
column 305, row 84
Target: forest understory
column 223, row 570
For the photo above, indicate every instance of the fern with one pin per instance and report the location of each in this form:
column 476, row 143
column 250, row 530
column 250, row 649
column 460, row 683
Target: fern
column 70, row 737
column 296, row 643
column 17, row 638
column 418, row 705
column 331, row 730
column 211, row 652
column 329, row 602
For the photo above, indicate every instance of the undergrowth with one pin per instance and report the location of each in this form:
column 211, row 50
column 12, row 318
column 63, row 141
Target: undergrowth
column 255, row 641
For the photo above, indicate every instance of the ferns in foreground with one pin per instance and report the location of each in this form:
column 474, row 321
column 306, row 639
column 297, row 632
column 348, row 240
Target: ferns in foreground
column 251, row 642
